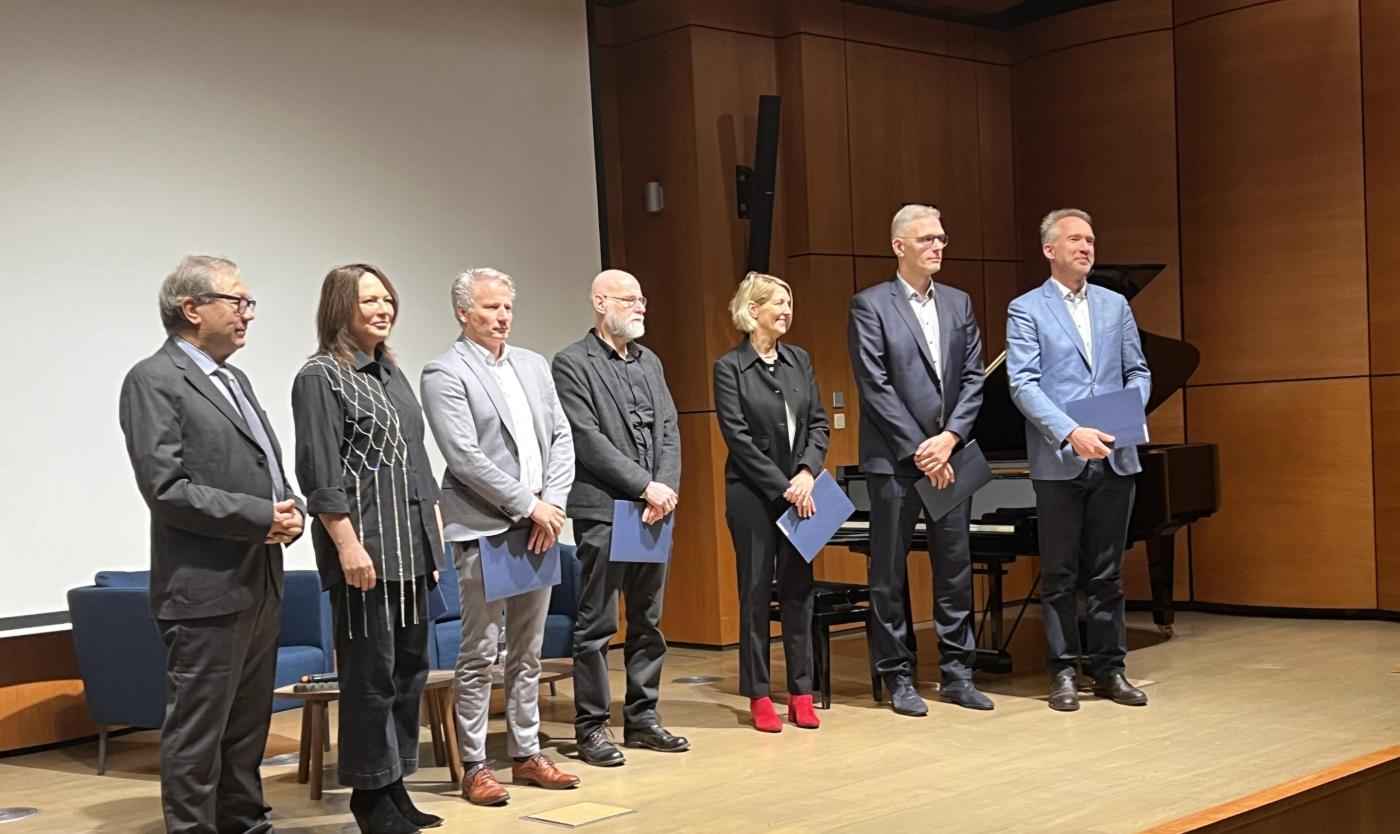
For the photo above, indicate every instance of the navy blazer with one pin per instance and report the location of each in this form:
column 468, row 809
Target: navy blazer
column 901, row 405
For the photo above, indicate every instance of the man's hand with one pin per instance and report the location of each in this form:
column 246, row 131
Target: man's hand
column 1091, row 444
column 542, row 538
column 357, row 566
column 942, row 476
column 661, row 501
column 935, row 451
column 548, row 517
column 799, row 493
column 287, row 522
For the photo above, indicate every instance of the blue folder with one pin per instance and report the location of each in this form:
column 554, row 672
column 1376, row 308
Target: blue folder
column 509, row 567
column 810, row 535
column 971, row 473
column 1120, row 414
column 633, row 541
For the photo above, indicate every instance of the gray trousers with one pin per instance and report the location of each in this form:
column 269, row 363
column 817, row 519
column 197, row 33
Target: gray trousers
column 645, row 648
column 481, row 630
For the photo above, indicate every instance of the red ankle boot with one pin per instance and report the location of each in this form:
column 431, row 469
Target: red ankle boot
column 765, row 719
column 801, row 712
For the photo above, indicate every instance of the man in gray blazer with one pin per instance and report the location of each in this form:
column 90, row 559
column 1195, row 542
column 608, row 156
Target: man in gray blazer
column 916, row 352
column 209, row 468
column 510, row 462
column 1067, row 340
column 629, row 448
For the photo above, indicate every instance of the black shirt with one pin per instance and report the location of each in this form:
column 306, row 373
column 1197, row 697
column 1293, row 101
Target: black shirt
column 641, row 411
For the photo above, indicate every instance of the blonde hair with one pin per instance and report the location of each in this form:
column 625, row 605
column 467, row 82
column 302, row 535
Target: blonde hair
column 756, row 288
column 1049, row 232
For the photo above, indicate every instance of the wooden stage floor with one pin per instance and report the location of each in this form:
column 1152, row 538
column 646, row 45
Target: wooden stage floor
column 1237, row 705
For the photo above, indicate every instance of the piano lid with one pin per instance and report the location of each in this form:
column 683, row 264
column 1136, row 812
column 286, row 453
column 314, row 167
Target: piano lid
column 1000, row 428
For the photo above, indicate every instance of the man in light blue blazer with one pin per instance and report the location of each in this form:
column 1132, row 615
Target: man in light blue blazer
column 1067, row 340
column 510, row 463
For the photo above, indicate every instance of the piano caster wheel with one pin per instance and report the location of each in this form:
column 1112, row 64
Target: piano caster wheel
column 1166, row 631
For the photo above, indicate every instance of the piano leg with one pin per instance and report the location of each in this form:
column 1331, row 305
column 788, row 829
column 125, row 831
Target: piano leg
column 1161, row 567
column 821, row 662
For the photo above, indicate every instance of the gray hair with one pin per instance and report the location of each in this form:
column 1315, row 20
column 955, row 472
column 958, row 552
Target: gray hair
column 908, row 214
column 1048, row 234
column 464, row 285
column 192, row 278
column 756, row 288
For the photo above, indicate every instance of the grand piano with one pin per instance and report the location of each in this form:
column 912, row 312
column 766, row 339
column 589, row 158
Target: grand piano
column 1179, row 482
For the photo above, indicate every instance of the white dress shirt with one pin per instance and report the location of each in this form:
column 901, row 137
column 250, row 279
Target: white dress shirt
column 925, row 309
column 522, row 423
column 1078, row 305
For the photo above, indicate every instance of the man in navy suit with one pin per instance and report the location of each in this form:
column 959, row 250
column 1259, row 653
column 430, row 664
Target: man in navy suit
column 1067, row 340
column 917, row 356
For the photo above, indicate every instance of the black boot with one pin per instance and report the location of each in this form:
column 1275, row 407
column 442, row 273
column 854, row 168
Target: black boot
column 375, row 813
column 399, row 795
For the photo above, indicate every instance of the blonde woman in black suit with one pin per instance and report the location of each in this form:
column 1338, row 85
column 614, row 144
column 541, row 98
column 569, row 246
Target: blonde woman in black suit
column 771, row 415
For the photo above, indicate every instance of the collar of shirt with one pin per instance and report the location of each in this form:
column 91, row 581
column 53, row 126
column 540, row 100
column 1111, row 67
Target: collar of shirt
column 634, row 350
column 380, row 364
column 913, row 294
column 204, row 361
column 1070, row 295
column 749, row 355
column 491, row 361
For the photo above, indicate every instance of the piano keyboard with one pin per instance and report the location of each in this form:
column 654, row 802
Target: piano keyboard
column 975, row 527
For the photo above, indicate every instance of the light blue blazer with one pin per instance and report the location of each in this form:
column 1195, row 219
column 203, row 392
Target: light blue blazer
column 1048, row 366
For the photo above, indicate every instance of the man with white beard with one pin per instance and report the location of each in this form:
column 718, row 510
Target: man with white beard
column 627, row 447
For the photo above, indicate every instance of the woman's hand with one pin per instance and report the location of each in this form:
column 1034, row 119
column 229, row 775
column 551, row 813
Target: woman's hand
column 357, row 566
column 799, row 493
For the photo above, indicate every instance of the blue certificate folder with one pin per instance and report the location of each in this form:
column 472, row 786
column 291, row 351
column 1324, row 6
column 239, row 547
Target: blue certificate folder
column 633, row 541
column 971, row 472
column 1120, row 414
column 810, row 535
column 509, row 567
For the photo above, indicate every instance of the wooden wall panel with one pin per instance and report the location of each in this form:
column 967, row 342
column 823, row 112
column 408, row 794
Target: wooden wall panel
column 1093, row 23
column 1380, row 32
column 1107, row 148
column 1295, row 476
column 906, row 148
column 867, row 24
column 814, row 149
column 1185, row 11
column 1000, row 286
column 822, row 287
column 606, row 68
column 702, row 595
column 41, row 692
column 1272, row 196
column 1385, row 411
column 997, row 169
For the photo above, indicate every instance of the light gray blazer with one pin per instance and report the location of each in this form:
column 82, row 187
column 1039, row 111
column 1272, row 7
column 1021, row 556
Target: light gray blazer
column 1048, row 367
column 481, row 490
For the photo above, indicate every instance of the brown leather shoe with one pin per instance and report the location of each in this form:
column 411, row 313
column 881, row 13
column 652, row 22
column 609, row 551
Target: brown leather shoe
column 539, row 770
column 480, row 787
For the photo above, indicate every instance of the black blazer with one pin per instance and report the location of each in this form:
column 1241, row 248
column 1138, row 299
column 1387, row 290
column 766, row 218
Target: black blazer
column 753, row 419
column 206, row 482
column 900, row 405
column 606, row 457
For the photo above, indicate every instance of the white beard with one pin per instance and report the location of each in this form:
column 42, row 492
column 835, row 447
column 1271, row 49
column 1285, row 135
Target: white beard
column 628, row 330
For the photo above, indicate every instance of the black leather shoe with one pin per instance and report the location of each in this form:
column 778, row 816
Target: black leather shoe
column 597, row 748
column 374, row 813
column 398, row 794
column 964, row 694
column 655, row 737
column 1116, row 688
column 1063, row 694
column 904, row 699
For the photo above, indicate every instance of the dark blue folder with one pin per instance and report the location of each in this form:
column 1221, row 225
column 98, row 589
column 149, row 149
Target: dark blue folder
column 810, row 535
column 508, row 567
column 1120, row 414
column 633, row 541
column 971, row 472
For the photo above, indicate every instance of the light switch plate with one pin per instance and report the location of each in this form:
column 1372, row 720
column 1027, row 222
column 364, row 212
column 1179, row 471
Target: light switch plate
column 838, row 399
column 838, row 420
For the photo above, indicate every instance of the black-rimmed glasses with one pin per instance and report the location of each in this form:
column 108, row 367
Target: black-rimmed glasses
column 245, row 305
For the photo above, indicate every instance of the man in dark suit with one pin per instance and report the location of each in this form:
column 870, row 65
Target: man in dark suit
column 627, row 447
column 917, row 356
column 210, row 469
column 1067, row 340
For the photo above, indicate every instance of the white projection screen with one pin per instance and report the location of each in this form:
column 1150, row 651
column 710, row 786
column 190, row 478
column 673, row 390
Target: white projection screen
column 423, row 136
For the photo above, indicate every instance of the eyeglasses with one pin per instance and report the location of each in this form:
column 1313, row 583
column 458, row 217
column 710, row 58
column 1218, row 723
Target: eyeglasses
column 244, row 304
column 928, row 240
column 630, row 301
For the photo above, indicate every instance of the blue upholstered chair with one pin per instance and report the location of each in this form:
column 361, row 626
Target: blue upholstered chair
column 444, row 637
column 122, row 658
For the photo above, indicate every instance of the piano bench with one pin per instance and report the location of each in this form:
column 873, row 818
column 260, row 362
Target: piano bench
column 835, row 603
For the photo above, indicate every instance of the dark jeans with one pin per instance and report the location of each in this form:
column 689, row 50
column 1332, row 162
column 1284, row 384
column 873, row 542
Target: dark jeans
column 645, row 648
column 382, row 658
column 760, row 550
column 1083, row 528
column 219, row 674
column 894, row 510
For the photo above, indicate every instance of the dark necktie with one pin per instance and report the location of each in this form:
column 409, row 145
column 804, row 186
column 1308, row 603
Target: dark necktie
column 255, row 425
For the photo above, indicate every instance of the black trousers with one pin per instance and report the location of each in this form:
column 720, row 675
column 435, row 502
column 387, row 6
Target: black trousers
column 760, row 549
column 382, row 657
column 1083, row 529
column 894, row 510
column 219, row 674
column 644, row 650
